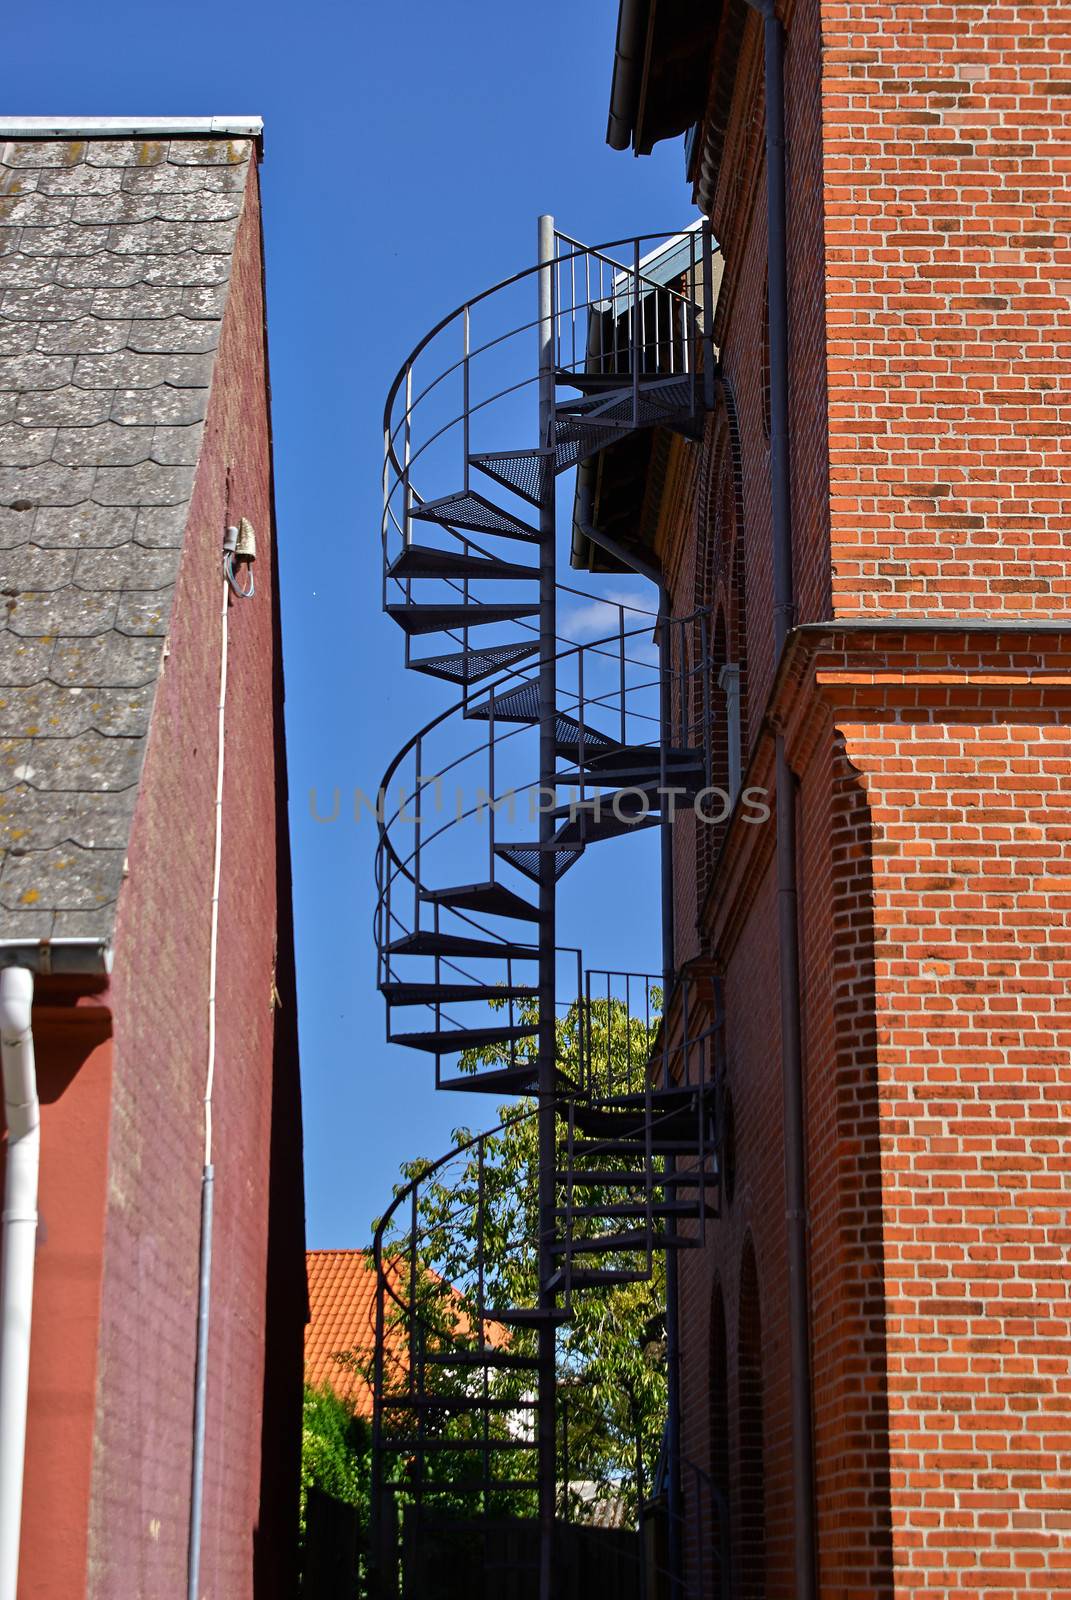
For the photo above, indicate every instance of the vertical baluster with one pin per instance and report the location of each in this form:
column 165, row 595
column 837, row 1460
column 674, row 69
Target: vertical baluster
column 708, row 317
column 491, row 791
column 418, row 827
column 465, row 398
column 690, row 314
column 637, row 334
column 621, row 669
column 407, row 491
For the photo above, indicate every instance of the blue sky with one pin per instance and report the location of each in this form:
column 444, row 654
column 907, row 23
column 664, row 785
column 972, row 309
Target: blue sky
column 409, row 150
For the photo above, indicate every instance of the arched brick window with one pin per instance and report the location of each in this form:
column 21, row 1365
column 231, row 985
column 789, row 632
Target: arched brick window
column 719, row 1434
column 750, row 1541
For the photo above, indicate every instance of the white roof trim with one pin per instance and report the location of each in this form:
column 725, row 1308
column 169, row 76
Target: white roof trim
column 127, row 127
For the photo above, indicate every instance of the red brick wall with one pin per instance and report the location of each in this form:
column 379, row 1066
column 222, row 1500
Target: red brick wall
column 927, row 166
column 141, row 1478
column 948, row 143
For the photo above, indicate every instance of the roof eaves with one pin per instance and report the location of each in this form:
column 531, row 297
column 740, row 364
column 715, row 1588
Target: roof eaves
column 128, row 127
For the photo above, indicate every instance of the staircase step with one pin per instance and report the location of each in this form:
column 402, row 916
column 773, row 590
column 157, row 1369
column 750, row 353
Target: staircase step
column 585, row 829
column 522, row 705
column 426, row 942
column 598, row 1277
column 429, row 561
column 488, row 899
column 469, row 666
column 529, row 1316
column 636, row 1146
column 617, row 1179
column 520, row 1079
column 526, row 472
column 631, row 1210
column 472, row 511
column 450, row 1041
column 396, row 992
column 593, row 382
column 631, row 1239
column 417, row 619
column 526, row 857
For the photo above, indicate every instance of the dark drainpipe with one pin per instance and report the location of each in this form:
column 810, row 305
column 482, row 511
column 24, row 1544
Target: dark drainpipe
column 785, row 787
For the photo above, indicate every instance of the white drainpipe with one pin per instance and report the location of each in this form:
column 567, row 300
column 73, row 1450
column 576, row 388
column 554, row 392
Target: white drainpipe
column 23, row 1112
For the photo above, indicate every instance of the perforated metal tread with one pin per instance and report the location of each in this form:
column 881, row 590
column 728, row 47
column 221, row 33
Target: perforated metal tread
column 474, row 512
column 521, row 705
column 429, row 561
column 526, row 858
column 469, row 666
column 488, row 899
column 526, row 472
column 414, row 619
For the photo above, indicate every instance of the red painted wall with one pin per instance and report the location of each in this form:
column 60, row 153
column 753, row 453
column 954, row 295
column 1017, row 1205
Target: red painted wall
column 74, row 1064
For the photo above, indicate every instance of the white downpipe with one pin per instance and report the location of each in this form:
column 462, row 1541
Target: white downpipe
column 23, row 1112
column 204, row 1291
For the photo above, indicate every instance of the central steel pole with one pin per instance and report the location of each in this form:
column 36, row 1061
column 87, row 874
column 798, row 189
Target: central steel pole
column 547, row 1041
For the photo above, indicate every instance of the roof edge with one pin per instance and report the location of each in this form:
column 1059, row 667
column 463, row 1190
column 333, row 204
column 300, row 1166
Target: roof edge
column 83, row 957
column 127, row 127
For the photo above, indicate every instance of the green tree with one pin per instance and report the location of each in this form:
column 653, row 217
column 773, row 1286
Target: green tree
column 611, row 1354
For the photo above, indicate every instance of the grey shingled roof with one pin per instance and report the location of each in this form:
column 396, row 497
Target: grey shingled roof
column 115, row 256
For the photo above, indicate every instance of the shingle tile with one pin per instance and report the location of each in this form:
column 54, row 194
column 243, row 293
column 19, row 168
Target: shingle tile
column 85, row 526
column 46, row 485
column 172, row 407
column 24, row 447
column 147, row 484
column 174, row 334
column 87, row 336
column 108, row 442
column 58, row 613
column 113, row 660
column 66, row 408
column 128, row 369
column 33, row 567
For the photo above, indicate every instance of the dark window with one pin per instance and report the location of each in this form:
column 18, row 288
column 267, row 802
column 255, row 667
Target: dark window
column 750, row 1477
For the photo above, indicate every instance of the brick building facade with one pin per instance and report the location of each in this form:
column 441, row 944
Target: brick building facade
column 135, row 427
column 921, row 701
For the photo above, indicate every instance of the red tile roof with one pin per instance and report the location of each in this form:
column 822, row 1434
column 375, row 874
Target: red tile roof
column 342, row 1319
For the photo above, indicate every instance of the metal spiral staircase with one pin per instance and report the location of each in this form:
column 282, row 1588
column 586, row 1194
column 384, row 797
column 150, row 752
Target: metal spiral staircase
column 588, row 741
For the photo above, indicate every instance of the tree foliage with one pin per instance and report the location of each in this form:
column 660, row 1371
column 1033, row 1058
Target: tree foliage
column 611, row 1379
